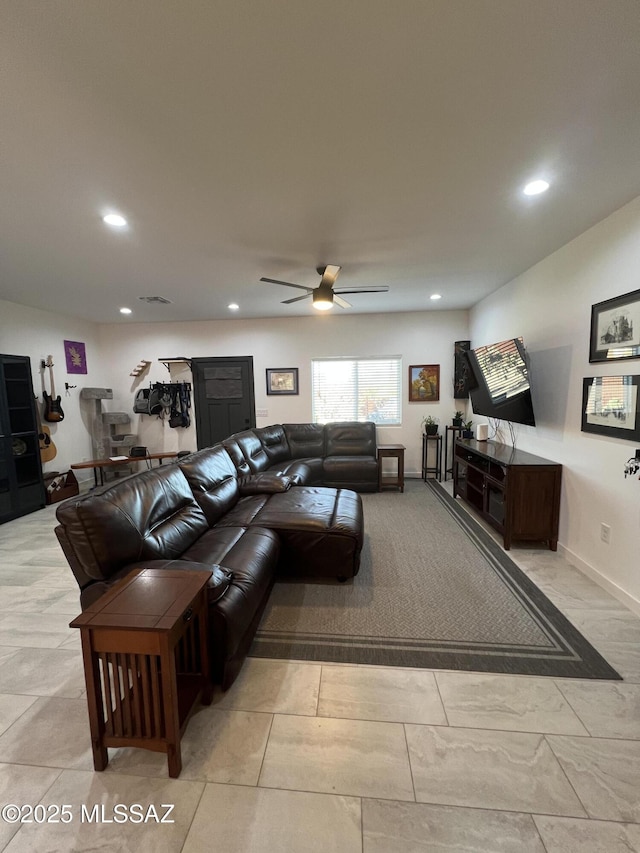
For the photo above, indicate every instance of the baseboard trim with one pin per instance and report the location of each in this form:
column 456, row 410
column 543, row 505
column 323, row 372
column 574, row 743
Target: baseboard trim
column 612, row 588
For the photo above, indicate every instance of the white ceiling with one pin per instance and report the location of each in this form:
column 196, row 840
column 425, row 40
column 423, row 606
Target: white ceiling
column 252, row 138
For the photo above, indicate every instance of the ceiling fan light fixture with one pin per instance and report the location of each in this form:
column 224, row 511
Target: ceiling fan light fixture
column 322, row 300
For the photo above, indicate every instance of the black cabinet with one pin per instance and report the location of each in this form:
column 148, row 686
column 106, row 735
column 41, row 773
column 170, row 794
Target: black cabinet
column 21, row 484
column 516, row 492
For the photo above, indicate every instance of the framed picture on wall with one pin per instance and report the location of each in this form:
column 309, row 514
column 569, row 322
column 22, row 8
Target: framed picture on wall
column 424, row 383
column 610, row 406
column 282, row 380
column 615, row 328
column 76, row 356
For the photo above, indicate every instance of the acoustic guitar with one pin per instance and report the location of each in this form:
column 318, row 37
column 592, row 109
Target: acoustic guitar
column 52, row 408
column 48, row 450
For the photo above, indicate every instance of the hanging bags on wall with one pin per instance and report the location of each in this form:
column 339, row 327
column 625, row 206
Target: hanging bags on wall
column 180, row 405
column 148, row 402
column 168, row 400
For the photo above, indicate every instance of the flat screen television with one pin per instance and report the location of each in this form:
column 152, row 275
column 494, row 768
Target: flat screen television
column 499, row 382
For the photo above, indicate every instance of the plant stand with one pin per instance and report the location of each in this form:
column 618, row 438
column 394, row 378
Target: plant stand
column 427, row 442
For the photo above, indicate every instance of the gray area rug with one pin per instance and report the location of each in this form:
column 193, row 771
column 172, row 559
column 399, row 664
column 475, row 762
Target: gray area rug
column 434, row 591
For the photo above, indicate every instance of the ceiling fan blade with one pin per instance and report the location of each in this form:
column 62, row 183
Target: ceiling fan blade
column 383, row 289
column 297, row 298
column 340, row 301
column 287, row 283
column 330, row 275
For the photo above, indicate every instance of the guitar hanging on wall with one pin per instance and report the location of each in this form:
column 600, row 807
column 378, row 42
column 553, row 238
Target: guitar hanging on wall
column 52, row 408
column 48, row 450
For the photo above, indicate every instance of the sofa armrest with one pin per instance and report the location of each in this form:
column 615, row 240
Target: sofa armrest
column 265, row 483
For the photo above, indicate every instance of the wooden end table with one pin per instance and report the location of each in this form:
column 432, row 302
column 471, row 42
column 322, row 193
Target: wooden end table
column 391, row 451
column 146, row 661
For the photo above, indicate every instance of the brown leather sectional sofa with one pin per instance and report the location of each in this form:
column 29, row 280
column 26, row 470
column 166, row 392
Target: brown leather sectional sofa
column 268, row 502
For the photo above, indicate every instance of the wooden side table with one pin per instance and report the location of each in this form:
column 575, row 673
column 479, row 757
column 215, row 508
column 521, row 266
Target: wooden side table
column 391, row 451
column 146, row 661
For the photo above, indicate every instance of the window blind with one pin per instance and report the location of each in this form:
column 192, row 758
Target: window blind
column 356, row 389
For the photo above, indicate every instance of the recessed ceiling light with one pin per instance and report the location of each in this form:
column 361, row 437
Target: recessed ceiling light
column 125, row 310
column 233, row 306
column 536, row 187
column 435, row 296
column 115, row 220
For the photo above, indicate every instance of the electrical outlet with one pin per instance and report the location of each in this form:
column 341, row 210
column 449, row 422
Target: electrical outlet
column 605, row 533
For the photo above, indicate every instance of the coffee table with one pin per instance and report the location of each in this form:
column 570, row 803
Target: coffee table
column 146, row 661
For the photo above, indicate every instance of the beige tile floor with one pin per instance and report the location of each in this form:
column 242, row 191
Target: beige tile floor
column 303, row 757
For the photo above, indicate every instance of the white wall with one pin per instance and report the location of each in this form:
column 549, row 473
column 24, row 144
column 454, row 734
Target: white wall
column 420, row 338
column 37, row 334
column 550, row 306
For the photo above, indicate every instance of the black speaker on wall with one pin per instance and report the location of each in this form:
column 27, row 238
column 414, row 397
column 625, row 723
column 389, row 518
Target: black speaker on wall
column 461, row 373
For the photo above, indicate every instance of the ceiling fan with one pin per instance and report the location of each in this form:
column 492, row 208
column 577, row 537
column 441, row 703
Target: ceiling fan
column 324, row 296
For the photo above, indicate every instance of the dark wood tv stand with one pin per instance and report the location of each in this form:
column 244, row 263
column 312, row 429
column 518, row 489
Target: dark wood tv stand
column 516, row 492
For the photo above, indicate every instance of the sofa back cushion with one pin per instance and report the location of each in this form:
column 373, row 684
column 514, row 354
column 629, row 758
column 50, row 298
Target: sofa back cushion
column 253, row 451
column 237, row 456
column 305, row 440
column 350, row 438
column 213, row 479
column 150, row 516
column 274, row 442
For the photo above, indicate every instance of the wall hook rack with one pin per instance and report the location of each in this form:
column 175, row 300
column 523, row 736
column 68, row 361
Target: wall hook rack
column 68, row 387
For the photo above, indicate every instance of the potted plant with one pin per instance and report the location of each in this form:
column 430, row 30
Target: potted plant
column 457, row 418
column 467, row 432
column 430, row 425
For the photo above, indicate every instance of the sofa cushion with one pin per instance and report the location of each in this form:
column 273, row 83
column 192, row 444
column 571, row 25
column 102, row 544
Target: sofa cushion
column 244, row 511
column 213, row 479
column 350, row 439
column 237, row 456
column 305, row 440
column 320, row 529
column 252, row 450
column 274, row 442
column 351, row 472
column 252, row 556
column 152, row 515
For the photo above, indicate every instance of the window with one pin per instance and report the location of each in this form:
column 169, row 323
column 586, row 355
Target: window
column 356, row 389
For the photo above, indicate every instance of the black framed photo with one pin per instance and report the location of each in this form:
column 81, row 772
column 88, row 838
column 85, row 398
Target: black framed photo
column 424, row 383
column 282, row 380
column 610, row 406
column 615, row 328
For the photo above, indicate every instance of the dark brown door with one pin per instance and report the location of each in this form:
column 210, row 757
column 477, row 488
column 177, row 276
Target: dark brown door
column 223, row 397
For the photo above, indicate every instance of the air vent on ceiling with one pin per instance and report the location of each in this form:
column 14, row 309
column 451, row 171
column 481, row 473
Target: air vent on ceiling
column 160, row 300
